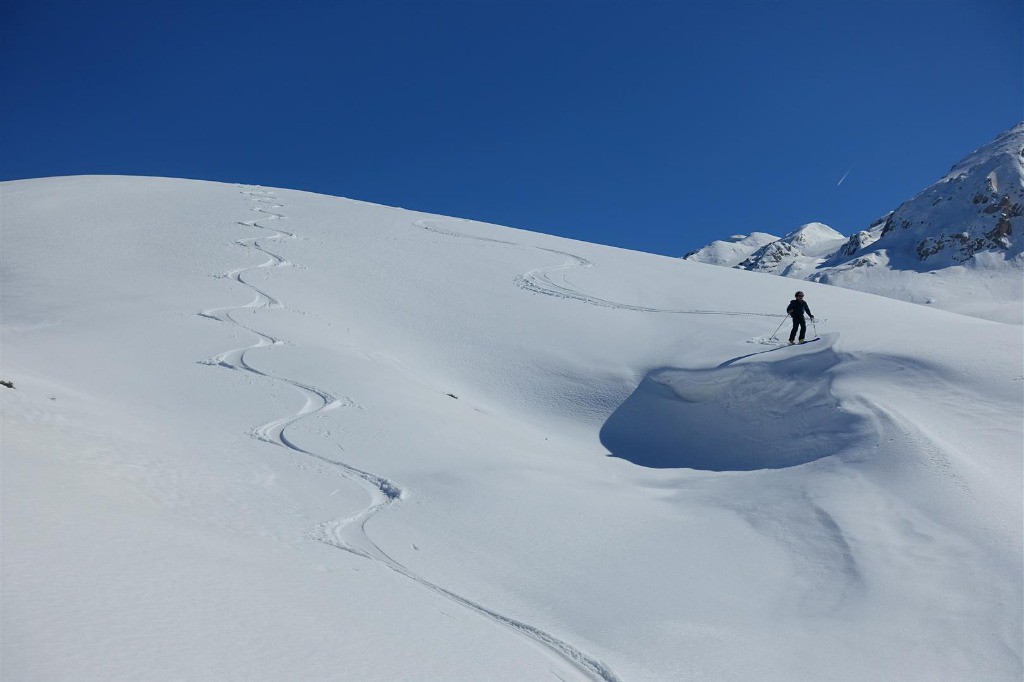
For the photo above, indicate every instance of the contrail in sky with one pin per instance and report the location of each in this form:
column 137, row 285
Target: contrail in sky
column 844, row 176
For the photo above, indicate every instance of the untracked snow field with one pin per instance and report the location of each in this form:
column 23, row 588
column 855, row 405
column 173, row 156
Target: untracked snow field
column 263, row 434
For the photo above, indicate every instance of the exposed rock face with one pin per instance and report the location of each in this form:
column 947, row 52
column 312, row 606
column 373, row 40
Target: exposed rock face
column 769, row 257
column 971, row 210
column 857, row 242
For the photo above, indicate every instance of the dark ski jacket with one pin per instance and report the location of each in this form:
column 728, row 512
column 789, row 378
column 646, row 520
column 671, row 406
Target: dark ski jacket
column 797, row 308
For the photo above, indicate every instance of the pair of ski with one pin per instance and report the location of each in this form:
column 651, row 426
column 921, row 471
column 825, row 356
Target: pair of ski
column 783, row 343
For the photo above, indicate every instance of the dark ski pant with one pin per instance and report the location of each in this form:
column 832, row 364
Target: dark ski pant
column 802, row 324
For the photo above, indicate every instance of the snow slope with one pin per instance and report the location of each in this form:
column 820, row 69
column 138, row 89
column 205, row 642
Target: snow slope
column 266, row 434
column 955, row 245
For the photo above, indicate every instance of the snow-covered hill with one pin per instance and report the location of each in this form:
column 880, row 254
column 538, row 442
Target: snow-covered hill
column 262, row 434
column 955, row 246
column 732, row 251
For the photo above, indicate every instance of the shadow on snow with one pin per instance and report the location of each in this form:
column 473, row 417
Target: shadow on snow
column 739, row 416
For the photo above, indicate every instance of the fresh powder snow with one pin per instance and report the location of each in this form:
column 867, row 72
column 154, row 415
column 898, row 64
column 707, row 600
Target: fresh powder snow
column 263, row 434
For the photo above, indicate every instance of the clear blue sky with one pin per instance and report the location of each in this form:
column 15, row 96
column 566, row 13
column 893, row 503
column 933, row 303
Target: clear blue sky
column 652, row 126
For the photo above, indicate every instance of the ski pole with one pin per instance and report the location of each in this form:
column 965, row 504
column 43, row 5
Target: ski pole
column 779, row 327
column 815, row 323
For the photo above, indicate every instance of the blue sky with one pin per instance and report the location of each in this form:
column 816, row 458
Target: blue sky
column 651, row 126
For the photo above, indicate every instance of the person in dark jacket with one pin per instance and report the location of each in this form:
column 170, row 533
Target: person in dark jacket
column 796, row 309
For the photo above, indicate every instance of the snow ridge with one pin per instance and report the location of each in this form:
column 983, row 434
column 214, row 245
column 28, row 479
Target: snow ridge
column 349, row 533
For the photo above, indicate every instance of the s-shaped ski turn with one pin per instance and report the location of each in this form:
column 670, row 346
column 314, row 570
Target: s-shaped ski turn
column 552, row 280
column 349, row 533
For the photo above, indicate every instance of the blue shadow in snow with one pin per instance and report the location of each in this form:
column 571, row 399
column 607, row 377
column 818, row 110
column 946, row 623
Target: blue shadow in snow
column 735, row 417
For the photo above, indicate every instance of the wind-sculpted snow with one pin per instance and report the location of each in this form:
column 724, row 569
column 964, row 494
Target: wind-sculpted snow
column 746, row 414
column 348, row 533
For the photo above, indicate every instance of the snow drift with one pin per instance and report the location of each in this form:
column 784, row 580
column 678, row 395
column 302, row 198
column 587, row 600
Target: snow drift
column 739, row 416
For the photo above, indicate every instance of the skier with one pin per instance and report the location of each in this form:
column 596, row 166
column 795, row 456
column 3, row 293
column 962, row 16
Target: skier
column 796, row 309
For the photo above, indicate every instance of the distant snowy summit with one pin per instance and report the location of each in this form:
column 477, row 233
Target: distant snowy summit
column 956, row 245
column 732, row 251
column 804, row 248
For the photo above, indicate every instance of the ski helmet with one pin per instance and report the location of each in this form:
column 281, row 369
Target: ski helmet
column 799, row 293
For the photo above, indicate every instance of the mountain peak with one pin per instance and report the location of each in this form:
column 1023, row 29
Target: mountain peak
column 799, row 250
column 971, row 210
column 966, row 226
column 1007, row 148
column 813, row 234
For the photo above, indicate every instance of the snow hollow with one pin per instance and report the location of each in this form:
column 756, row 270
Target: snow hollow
column 262, row 434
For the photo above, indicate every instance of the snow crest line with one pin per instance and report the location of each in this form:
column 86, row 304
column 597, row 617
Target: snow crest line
column 551, row 280
column 349, row 534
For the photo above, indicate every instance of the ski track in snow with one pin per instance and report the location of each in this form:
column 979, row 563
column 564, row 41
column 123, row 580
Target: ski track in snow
column 552, row 280
column 822, row 527
column 349, row 533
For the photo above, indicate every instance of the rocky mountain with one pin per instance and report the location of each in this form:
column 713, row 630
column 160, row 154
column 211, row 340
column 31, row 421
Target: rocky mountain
column 956, row 245
column 799, row 251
